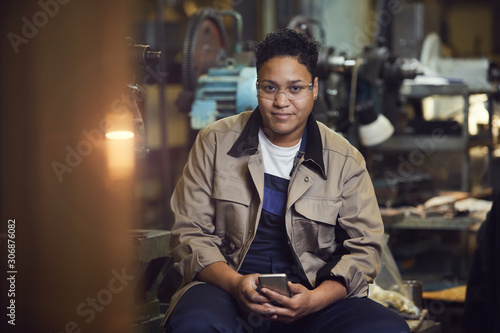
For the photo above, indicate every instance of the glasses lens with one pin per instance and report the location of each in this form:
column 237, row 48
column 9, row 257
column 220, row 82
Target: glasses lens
column 293, row 92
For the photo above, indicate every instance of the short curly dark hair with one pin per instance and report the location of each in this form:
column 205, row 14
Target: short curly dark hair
column 288, row 42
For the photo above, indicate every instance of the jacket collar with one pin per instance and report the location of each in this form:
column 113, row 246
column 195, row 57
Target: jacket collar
column 248, row 142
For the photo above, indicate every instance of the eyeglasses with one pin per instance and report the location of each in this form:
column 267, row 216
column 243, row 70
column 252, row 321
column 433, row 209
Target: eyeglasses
column 293, row 92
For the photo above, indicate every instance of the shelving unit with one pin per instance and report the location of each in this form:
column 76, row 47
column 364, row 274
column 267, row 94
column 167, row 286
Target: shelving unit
column 461, row 143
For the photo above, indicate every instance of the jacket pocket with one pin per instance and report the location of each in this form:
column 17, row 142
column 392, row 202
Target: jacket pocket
column 232, row 200
column 230, row 189
column 313, row 223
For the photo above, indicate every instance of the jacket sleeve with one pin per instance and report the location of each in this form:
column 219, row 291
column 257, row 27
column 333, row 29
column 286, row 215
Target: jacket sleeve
column 193, row 242
column 359, row 218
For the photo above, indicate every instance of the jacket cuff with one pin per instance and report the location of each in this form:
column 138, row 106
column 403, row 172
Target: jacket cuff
column 325, row 272
column 356, row 286
column 191, row 265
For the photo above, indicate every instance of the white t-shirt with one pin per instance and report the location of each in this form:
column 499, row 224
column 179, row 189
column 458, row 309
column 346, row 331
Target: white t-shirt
column 278, row 161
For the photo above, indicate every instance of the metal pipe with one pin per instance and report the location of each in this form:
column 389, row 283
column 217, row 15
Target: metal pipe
column 269, row 16
column 239, row 29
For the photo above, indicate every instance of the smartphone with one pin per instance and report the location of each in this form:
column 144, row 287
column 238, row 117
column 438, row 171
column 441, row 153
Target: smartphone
column 275, row 282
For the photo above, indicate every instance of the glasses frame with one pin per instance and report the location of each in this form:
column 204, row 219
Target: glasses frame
column 257, row 83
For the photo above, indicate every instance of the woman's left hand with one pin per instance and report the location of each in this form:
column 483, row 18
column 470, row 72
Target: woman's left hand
column 303, row 300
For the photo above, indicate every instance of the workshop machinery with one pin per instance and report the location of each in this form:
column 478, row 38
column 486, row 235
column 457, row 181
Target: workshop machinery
column 219, row 81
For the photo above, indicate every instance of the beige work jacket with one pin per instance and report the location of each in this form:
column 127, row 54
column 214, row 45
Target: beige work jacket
column 217, row 205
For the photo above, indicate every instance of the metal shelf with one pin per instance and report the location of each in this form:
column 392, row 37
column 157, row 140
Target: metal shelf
column 445, row 142
column 404, row 142
column 424, row 90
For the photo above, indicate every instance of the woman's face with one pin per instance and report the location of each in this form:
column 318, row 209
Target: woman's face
column 285, row 120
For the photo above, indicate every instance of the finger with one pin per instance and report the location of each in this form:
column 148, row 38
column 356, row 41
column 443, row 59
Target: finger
column 275, row 296
column 260, row 298
column 272, row 313
column 273, row 318
column 282, row 315
column 295, row 288
column 257, row 297
column 266, row 310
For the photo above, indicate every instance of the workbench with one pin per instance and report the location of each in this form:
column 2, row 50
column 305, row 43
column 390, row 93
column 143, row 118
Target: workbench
column 151, row 265
column 444, row 244
column 437, row 251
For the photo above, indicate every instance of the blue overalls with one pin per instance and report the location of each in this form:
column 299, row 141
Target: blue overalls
column 269, row 251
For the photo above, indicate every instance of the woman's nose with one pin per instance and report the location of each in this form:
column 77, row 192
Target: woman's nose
column 281, row 99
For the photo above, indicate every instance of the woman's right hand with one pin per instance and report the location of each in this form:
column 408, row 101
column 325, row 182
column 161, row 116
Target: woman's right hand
column 249, row 299
column 242, row 287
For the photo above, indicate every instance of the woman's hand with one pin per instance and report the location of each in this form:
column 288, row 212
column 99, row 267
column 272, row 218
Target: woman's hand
column 249, row 300
column 241, row 287
column 289, row 309
column 303, row 301
column 263, row 304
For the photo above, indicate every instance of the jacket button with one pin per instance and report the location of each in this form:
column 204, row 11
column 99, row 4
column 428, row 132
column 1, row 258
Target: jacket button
column 306, row 179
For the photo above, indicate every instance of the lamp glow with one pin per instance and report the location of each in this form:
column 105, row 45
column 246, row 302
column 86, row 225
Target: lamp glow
column 120, row 144
column 120, row 135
